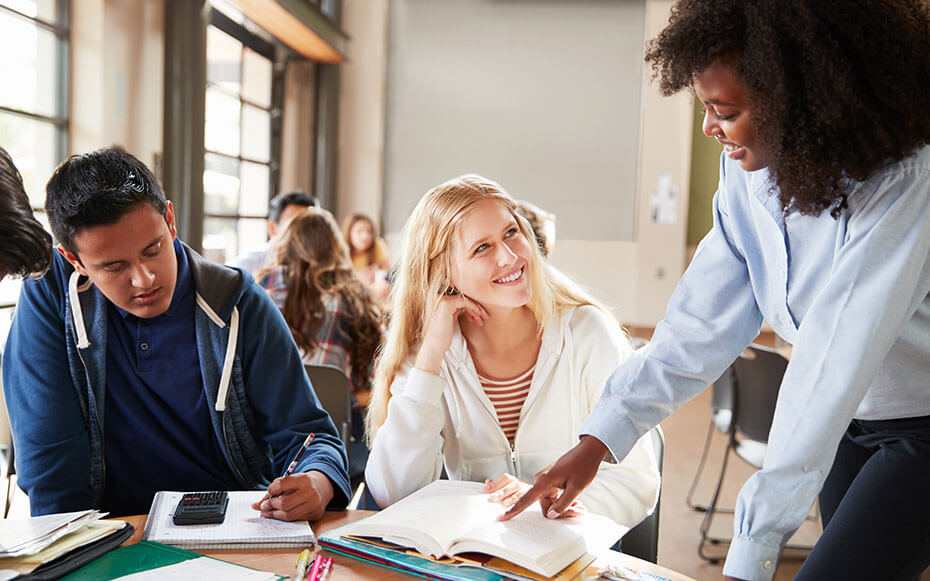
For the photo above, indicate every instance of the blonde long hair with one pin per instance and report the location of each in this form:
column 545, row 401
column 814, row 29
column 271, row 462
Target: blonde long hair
column 426, row 265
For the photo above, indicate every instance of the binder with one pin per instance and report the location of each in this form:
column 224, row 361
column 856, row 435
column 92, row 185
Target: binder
column 142, row 556
column 79, row 557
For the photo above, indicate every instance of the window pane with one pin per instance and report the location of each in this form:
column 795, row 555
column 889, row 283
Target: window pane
column 43, row 9
column 254, row 192
column 219, row 239
column 256, row 78
column 256, row 133
column 224, row 54
column 32, row 145
column 29, row 78
column 221, row 129
column 252, row 234
column 220, row 184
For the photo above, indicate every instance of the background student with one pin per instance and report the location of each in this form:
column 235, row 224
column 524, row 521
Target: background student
column 369, row 254
column 281, row 209
column 330, row 313
column 821, row 228
column 25, row 246
column 492, row 361
column 135, row 365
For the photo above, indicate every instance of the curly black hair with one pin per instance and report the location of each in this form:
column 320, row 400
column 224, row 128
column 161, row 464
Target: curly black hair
column 25, row 246
column 837, row 88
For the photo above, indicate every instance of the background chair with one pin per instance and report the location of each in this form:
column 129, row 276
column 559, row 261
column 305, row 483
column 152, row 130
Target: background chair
column 333, row 389
column 643, row 540
column 721, row 406
column 756, row 378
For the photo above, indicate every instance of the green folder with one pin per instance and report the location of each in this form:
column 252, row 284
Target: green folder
column 142, row 556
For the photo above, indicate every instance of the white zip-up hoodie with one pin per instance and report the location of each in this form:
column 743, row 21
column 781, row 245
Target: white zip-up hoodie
column 449, row 418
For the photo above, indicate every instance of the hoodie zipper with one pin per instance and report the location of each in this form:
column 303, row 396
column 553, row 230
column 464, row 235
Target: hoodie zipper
column 93, row 396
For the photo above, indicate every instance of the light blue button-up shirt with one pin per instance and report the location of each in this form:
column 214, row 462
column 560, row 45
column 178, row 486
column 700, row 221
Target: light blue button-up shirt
column 851, row 295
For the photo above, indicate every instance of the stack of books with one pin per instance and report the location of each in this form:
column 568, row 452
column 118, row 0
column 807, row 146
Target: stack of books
column 52, row 545
column 449, row 530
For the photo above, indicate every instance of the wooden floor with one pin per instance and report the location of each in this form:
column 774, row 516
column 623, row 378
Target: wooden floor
column 685, row 432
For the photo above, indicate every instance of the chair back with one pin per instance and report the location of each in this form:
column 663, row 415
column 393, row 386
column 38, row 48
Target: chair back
column 643, row 540
column 758, row 373
column 334, row 391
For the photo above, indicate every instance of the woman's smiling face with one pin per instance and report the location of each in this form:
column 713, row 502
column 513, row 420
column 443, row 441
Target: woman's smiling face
column 727, row 116
column 491, row 258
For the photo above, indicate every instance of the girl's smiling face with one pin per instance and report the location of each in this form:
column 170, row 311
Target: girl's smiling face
column 491, row 258
column 727, row 116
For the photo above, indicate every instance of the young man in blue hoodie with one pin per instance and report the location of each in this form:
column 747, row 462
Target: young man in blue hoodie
column 135, row 365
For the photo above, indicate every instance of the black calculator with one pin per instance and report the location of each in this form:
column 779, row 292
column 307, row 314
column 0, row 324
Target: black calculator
column 200, row 508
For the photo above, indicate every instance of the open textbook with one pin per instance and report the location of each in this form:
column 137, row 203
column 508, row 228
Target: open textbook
column 450, row 517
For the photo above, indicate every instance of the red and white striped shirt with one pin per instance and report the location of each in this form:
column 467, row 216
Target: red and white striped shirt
column 508, row 396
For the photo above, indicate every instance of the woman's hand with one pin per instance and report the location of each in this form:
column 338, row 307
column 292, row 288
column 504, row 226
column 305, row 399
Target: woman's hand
column 301, row 496
column 507, row 490
column 557, row 486
column 439, row 323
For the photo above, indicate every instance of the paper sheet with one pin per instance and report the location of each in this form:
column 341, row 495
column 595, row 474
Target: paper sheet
column 201, row 569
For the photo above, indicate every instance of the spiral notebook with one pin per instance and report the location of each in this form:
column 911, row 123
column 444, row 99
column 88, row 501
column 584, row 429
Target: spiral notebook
column 243, row 527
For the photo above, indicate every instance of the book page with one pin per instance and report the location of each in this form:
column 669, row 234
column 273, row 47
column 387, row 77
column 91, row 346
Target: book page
column 30, row 535
column 431, row 518
column 448, row 517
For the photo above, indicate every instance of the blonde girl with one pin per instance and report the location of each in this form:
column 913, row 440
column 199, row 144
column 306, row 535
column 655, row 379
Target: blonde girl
column 493, row 360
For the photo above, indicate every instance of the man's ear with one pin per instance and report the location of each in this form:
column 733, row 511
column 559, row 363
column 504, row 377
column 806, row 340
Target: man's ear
column 74, row 260
column 169, row 219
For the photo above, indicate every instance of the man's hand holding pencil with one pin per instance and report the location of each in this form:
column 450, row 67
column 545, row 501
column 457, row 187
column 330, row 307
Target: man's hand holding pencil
column 297, row 496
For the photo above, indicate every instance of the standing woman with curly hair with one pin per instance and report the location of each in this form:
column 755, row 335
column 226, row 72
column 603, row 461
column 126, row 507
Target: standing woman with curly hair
column 822, row 228
column 329, row 311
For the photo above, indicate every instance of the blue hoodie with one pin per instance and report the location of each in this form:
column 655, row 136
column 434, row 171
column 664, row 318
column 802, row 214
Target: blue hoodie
column 54, row 382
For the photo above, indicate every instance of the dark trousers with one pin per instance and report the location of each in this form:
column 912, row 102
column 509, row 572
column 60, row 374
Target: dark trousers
column 875, row 504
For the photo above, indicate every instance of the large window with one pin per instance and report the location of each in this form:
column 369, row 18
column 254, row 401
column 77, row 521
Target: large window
column 239, row 166
column 33, row 102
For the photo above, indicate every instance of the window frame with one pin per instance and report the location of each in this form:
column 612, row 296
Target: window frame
column 269, row 50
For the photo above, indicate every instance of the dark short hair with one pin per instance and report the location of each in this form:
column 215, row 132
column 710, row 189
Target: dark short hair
column 97, row 189
column 25, row 246
column 292, row 198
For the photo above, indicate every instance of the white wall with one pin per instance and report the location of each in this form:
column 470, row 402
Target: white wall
column 117, row 76
column 635, row 276
column 361, row 109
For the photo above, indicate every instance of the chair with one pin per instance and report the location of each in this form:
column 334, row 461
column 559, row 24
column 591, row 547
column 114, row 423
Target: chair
column 643, row 540
column 721, row 405
column 756, row 378
column 333, row 389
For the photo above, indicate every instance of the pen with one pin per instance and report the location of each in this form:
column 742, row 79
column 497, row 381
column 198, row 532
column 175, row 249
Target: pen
column 326, row 569
column 302, row 561
column 300, row 453
column 315, row 570
column 293, row 465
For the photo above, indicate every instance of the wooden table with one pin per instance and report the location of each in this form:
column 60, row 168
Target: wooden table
column 282, row 561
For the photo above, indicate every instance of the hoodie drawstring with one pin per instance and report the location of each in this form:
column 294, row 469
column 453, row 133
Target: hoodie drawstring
column 76, row 313
column 228, row 361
